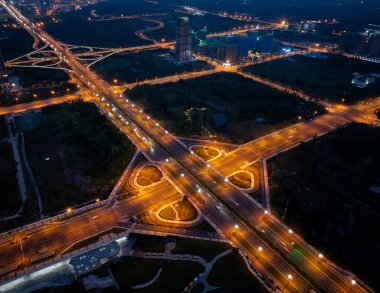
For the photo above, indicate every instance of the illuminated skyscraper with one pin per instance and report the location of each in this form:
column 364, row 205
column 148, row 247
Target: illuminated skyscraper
column 183, row 39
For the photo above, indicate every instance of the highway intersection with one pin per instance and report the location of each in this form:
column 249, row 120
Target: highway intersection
column 238, row 217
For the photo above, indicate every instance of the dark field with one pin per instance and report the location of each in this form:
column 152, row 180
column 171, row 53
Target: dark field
column 110, row 34
column 324, row 78
column 129, row 68
column 211, row 22
column 15, row 42
column 31, row 76
column 317, row 37
column 9, row 190
column 76, row 28
column 236, row 279
column 205, row 249
column 76, row 154
column 38, row 84
column 229, row 105
column 140, row 271
column 328, row 189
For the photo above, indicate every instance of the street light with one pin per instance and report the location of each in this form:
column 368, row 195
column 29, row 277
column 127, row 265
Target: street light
column 290, row 277
column 266, row 212
column 260, row 248
column 290, row 231
column 353, row 282
column 69, row 210
column 236, row 226
column 182, row 175
column 320, row 257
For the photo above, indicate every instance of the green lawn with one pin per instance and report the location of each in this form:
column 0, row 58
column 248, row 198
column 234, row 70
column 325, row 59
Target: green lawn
column 248, row 109
column 322, row 183
column 325, row 78
column 76, row 154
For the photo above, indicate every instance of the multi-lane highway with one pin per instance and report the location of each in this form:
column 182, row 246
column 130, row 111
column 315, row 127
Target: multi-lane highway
column 58, row 235
column 19, row 108
column 274, row 143
column 237, row 216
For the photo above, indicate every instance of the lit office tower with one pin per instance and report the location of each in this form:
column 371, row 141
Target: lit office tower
column 183, row 39
column 3, row 73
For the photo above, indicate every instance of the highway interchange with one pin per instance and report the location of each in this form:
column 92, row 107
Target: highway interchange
column 241, row 220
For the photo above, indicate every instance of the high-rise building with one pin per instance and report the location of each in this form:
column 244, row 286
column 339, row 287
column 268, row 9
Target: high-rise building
column 231, row 39
column 373, row 45
column 232, row 54
column 43, row 7
column 221, row 52
column 265, row 44
column 183, row 39
column 4, row 81
column 252, row 40
column 243, row 46
column 353, row 43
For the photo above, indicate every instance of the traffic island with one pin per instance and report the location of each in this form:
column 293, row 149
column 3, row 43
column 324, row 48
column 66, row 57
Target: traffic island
column 179, row 213
column 243, row 180
column 148, row 175
column 206, row 152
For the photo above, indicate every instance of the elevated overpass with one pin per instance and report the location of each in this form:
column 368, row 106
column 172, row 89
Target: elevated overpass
column 220, row 201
